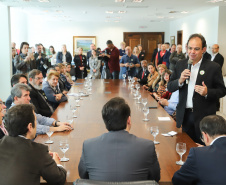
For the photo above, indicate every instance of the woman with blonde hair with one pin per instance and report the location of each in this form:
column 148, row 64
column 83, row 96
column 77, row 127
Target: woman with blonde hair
column 64, row 56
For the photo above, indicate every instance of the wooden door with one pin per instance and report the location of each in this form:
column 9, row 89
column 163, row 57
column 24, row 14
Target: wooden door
column 148, row 40
column 180, row 37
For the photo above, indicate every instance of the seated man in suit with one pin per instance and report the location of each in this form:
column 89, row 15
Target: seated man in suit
column 23, row 161
column 118, row 155
column 21, row 95
column 37, row 95
column 206, row 165
column 17, row 78
column 142, row 75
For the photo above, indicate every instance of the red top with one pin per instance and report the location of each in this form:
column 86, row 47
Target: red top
column 113, row 62
column 80, row 56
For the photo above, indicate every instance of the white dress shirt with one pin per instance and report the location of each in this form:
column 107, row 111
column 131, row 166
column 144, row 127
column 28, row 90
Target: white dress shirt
column 213, row 56
column 216, row 139
column 192, row 82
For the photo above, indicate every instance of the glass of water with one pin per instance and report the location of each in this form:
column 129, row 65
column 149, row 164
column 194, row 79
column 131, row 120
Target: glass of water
column 134, row 94
column 64, row 146
column 181, row 149
column 155, row 131
column 137, row 86
column 138, row 97
column 49, row 133
column 129, row 78
column 124, row 77
column 77, row 99
column 146, row 112
column 144, row 101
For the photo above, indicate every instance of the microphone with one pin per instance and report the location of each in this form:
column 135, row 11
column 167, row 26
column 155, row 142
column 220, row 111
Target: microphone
column 189, row 67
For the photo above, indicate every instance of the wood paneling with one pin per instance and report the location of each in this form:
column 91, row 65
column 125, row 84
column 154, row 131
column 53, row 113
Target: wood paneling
column 148, row 40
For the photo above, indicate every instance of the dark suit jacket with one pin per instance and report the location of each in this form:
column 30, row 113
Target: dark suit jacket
column 40, row 63
column 23, row 162
column 8, row 102
column 119, row 156
column 89, row 54
column 40, row 104
column 154, row 55
column 219, row 59
column 59, row 57
column 78, row 64
column 207, row 56
column 204, row 165
column 145, row 78
column 202, row 106
column 1, row 134
column 141, row 56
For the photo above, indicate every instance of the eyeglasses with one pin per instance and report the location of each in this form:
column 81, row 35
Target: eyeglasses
column 202, row 139
column 38, row 78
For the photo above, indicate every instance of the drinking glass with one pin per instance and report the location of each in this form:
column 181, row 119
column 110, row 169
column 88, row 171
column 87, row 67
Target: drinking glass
column 134, row 94
column 155, row 131
column 70, row 121
column 124, row 77
column 137, row 86
column 64, row 146
column 181, row 149
column 49, row 133
column 138, row 97
column 144, row 101
column 77, row 99
column 146, row 112
column 129, row 78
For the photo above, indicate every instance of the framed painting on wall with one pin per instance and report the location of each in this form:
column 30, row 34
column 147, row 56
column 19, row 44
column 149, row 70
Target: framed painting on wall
column 83, row 42
column 172, row 40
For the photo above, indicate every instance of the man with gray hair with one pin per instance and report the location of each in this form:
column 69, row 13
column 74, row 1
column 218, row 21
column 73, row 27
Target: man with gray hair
column 37, row 95
column 21, row 95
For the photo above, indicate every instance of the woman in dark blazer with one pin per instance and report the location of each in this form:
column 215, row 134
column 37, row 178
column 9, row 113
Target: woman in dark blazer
column 64, row 56
column 80, row 65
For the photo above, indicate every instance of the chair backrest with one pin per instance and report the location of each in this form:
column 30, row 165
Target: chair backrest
column 92, row 182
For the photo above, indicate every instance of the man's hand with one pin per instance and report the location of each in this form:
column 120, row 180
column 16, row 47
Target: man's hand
column 126, row 64
column 81, row 68
column 131, row 65
column 184, row 75
column 135, row 78
column 145, row 87
column 199, row 145
column 56, row 157
column 65, row 92
column 63, row 127
column 201, row 89
column 163, row 102
column 64, row 123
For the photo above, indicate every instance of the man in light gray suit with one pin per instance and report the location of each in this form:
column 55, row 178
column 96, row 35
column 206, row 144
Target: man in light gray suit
column 118, row 155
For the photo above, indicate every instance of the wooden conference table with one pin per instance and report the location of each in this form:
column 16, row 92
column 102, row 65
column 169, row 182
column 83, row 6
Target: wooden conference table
column 89, row 124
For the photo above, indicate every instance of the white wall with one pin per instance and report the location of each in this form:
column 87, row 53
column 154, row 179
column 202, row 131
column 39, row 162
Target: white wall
column 222, row 36
column 18, row 26
column 5, row 57
column 58, row 33
column 205, row 22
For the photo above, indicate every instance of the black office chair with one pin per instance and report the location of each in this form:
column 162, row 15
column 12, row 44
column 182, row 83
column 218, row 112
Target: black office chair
column 92, row 182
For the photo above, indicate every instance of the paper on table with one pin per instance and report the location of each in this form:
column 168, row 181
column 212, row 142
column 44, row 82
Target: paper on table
column 171, row 133
column 164, row 118
column 72, row 94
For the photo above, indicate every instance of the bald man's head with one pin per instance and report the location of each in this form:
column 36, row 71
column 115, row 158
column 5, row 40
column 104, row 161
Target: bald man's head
column 215, row 48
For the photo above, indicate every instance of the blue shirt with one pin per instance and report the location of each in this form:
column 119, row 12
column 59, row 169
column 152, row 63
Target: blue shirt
column 122, row 52
column 132, row 59
column 173, row 101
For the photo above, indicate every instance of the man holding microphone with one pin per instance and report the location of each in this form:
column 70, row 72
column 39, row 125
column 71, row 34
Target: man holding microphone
column 199, row 87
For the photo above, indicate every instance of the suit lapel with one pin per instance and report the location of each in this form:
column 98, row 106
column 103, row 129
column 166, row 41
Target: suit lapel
column 202, row 73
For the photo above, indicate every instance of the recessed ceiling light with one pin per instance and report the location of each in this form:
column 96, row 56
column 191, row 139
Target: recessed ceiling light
column 59, row 11
column 121, row 11
column 46, row 11
column 116, row 21
column 137, row 1
column 160, row 17
column 118, row 17
column 184, row 12
column 44, row 1
column 120, row 1
column 111, row 12
column 173, row 11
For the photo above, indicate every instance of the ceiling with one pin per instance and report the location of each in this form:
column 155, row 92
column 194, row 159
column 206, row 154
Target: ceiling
column 95, row 10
